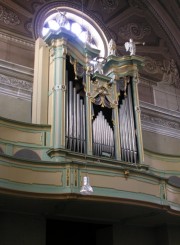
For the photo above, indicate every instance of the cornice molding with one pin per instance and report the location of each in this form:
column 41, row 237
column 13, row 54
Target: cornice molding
column 16, row 70
column 161, row 121
column 17, row 39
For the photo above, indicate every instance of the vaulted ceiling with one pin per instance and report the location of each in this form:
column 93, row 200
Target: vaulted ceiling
column 155, row 22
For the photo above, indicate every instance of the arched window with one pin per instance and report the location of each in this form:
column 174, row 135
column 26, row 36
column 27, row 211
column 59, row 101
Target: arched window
column 80, row 24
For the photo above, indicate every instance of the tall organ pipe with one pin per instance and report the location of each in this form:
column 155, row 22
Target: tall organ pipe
column 75, row 120
column 84, row 130
column 81, row 123
column 78, row 123
column 127, row 128
column 133, row 135
column 70, row 114
column 121, row 122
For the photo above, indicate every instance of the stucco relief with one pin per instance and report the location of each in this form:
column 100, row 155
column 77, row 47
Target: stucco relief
column 166, row 68
column 170, row 73
column 152, row 66
column 109, row 5
column 134, row 31
column 8, row 16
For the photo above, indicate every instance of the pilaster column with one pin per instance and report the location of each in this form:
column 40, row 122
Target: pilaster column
column 116, row 127
column 88, row 114
column 60, row 51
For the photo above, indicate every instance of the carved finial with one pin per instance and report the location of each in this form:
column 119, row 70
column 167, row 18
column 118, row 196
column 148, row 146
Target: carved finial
column 112, row 47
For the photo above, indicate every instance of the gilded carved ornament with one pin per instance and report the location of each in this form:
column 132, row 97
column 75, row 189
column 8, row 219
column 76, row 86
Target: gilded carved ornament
column 103, row 93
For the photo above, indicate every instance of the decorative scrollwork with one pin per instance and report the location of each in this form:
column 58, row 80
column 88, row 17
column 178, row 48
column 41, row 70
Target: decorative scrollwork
column 102, row 93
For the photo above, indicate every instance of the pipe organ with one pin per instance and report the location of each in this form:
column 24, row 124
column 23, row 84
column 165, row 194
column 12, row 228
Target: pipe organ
column 113, row 129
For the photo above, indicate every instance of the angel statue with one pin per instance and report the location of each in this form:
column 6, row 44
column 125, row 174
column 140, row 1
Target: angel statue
column 131, row 46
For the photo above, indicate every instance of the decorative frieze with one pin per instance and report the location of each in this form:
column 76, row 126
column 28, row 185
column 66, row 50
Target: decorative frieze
column 15, row 87
column 14, row 82
column 160, row 121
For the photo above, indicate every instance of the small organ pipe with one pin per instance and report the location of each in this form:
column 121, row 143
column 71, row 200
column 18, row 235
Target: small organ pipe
column 103, row 140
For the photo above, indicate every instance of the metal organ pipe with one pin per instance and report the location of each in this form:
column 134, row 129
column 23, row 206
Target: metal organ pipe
column 133, row 135
column 75, row 120
column 70, row 122
column 78, row 122
column 103, row 139
column 127, row 129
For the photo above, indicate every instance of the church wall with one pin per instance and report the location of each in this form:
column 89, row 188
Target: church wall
column 16, row 50
column 18, row 229
column 16, row 71
column 162, row 234
column 161, row 144
column 123, row 234
column 174, row 235
column 15, row 108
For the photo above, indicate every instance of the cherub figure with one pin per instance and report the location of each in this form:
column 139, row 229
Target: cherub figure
column 131, row 46
column 112, row 47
